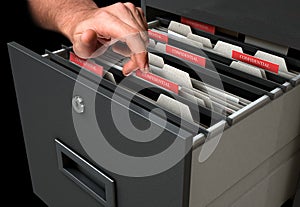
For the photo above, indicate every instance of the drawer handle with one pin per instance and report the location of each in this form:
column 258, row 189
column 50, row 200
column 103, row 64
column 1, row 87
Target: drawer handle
column 87, row 177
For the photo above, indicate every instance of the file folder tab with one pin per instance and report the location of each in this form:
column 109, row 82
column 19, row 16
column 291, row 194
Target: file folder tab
column 255, row 61
column 158, row 36
column 273, row 58
column 87, row 64
column 186, row 55
column 109, row 76
column 226, row 49
column 199, row 25
column 203, row 40
column 179, row 28
column 178, row 76
column 247, row 68
column 156, row 60
column 175, row 107
column 171, row 86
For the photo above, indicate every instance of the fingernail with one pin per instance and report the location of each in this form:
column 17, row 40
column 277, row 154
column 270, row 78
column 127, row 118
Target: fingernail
column 128, row 74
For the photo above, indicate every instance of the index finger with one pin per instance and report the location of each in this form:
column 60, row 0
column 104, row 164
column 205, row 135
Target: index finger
column 118, row 29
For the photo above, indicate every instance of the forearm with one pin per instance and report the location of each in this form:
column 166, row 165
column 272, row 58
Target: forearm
column 60, row 15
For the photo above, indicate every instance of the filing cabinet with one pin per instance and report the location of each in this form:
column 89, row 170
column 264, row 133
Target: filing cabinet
column 81, row 152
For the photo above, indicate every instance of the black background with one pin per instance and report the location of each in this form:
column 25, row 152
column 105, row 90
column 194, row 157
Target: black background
column 17, row 25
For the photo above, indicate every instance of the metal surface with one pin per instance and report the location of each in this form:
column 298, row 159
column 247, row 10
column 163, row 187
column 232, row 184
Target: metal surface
column 54, row 85
column 244, row 147
column 86, row 176
column 273, row 21
column 244, row 112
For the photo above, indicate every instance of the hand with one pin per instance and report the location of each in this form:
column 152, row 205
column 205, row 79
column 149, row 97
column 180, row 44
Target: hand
column 99, row 26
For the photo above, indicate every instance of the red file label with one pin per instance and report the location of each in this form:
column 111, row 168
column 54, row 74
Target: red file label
column 158, row 36
column 199, row 25
column 171, row 86
column 255, row 61
column 93, row 67
column 186, row 55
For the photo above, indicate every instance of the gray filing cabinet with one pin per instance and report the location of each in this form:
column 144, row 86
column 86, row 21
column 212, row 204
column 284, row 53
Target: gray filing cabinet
column 254, row 163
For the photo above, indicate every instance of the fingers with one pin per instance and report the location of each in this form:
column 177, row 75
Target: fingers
column 137, row 15
column 85, row 44
column 138, row 60
column 141, row 59
column 120, row 21
column 122, row 49
column 133, row 64
column 138, row 19
column 129, row 67
column 130, row 15
column 126, row 33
